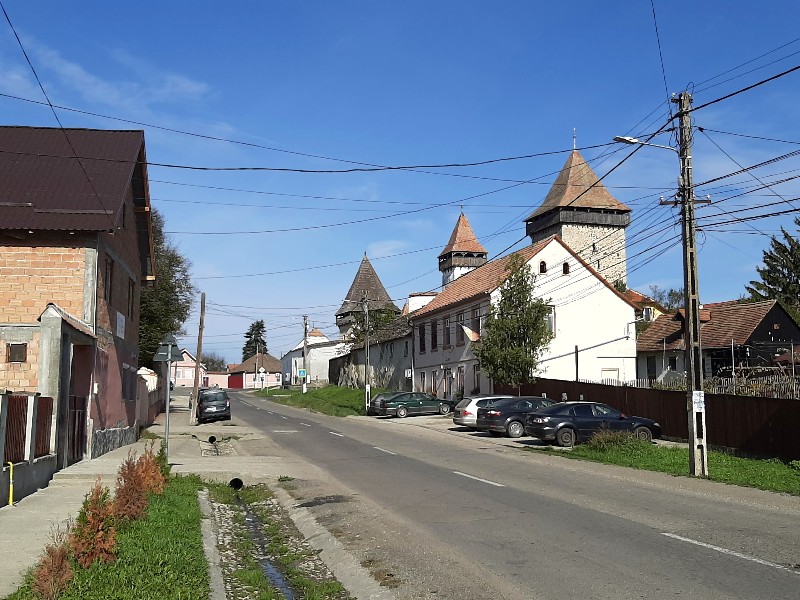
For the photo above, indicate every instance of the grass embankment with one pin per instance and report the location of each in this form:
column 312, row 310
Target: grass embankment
column 626, row 451
column 331, row 400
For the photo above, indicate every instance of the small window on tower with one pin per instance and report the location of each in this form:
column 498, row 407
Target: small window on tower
column 542, row 267
column 565, row 268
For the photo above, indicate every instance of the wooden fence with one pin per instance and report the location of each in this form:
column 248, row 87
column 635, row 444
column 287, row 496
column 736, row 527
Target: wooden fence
column 772, row 386
column 753, row 426
column 16, row 424
column 44, row 423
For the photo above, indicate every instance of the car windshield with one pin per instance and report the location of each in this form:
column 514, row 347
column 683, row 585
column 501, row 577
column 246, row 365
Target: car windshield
column 217, row 396
column 464, row 403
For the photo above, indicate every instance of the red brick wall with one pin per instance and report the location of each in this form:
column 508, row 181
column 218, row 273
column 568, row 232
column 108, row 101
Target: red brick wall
column 20, row 377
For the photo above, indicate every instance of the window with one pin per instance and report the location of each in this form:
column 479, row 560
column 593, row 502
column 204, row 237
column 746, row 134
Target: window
column 447, row 377
column 542, row 267
column 422, row 380
column 551, row 320
column 601, row 410
column 651, row 367
column 16, row 353
column 131, row 294
column 434, row 334
column 405, row 349
column 391, row 350
column 565, row 268
column 476, row 320
column 108, row 281
column 476, row 378
column 460, row 329
column 582, row 410
column 673, row 363
column 421, row 330
column 433, row 382
column 381, row 352
column 446, row 333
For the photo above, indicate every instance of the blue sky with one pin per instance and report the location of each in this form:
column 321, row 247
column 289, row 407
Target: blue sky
column 311, row 85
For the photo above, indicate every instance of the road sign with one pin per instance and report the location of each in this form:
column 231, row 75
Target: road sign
column 262, row 370
column 301, row 373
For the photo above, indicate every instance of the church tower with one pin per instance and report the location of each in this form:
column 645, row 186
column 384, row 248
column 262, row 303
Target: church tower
column 366, row 284
column 462, row 254
column 583, row 213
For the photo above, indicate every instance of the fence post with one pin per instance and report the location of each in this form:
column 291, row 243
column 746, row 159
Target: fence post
column 30, row 427
column 3, row 423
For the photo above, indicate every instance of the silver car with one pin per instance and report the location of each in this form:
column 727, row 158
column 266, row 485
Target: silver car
column 466, row 411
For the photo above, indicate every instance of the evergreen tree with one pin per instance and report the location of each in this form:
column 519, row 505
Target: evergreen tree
column 255, row 340
column 780, row 275
column 165, row 305
column 517, row 329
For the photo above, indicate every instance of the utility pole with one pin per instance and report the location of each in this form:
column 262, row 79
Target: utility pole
column 305, row 350
column 366, row 353
column 695, row 397
column 198, row 358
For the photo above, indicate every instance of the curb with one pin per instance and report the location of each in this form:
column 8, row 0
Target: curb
column 216, row 582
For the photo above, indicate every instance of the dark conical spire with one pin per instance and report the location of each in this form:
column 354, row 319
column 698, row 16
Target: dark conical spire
column 366, row 283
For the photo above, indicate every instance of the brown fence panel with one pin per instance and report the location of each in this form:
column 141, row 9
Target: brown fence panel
column 44, row 423
column 15, row 428
column 752, row 425
column 77, row 428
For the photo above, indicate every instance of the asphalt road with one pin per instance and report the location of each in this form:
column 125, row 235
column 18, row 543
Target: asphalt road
column 527, row 525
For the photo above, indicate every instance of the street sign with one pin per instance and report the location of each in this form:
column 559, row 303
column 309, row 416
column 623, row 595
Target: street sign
column 301, row 373
column 262, row 370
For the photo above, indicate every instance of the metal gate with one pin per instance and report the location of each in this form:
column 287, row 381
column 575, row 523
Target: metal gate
column 76, row 433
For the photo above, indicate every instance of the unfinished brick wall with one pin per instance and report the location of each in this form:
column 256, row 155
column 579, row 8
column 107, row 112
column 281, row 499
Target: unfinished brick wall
column 20, row 376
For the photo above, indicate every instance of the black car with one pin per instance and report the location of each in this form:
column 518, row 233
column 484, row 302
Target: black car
column 567, row 423
column 506, row 416
column 213, row 404
column 408, row 403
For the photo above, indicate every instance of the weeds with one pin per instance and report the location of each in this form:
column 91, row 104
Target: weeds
column 53, row 572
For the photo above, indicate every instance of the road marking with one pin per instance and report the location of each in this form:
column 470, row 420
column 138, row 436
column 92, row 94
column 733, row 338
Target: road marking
column 387, row 451
column 494, row 483
column 282, row 417
column 766, row 563
column 306, row 424
column 284, row 431
column 247, row 404
column 334, row 433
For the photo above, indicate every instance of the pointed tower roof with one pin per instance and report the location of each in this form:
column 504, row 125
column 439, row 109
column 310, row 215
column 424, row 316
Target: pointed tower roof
column 366, row 282
column 575, row 178
column 463, row 239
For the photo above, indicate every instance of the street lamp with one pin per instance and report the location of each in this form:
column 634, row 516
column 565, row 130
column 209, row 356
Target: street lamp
column 695, row 397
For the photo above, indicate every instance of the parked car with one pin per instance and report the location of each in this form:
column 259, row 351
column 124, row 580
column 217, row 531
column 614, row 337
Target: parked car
column 466, row 411
column 507, row 416
column 568, row 423
column 213, row 404
column 410, row 403
column 377, row 400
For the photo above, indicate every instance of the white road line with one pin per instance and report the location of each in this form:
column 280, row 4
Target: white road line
column 306, row 424
column 247, row 403
column 766, row 563
column 387, row 451
column 494, row 483
column 284, row 431
column 282, row 417
column 337, row 434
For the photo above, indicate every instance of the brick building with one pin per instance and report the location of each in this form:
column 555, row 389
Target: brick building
column 76, row 248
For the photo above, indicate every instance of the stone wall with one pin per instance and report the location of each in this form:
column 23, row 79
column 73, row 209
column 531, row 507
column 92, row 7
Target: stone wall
column 106, row 440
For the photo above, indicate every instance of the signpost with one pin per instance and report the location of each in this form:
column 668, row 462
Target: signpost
column 166, row 354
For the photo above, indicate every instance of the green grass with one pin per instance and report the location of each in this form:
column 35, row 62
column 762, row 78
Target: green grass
column 771, row 475
column 159, row 557
column 331, row 400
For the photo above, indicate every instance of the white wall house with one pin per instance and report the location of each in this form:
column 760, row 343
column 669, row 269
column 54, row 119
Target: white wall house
column 320, row 352
column 586, row 311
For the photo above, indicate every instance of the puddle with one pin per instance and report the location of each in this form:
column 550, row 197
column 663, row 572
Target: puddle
column 255, row 530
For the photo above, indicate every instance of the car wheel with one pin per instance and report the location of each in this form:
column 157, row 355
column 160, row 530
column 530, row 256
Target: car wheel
column 643, row 433
column 444, row 408
column 515, row 429
column 565, row 437
column 402, row 411
column 496, row 433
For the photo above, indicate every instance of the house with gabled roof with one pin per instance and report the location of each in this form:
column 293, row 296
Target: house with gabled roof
column 742, row 335
column 591, row 321
column 77, row 247
column 366, row 287
column 317, row 350
column 183, row 370
column 259, row 371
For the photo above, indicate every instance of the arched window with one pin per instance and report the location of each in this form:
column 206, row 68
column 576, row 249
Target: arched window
column 565, row 268
column 542, row 267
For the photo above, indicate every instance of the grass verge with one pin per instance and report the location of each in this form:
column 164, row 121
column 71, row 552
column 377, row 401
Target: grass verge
column 331, row 400
column 626, row 451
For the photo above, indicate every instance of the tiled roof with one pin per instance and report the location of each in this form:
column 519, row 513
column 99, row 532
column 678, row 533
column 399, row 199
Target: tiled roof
column 42, row 184
column 255, row 362
column 366, row 282
column 640, row 300
column 575, row 178
column 463, row 239
column 721, row 323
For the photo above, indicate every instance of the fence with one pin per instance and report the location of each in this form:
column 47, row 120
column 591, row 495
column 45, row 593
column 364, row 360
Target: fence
column 16, row 425
column 44, row 424
column 772, row 386
column 755, row 426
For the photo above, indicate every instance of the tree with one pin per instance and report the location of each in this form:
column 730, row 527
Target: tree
column 214, row 362
column 379, row 319
column 165, row 305
column 255, row 340
column 780, row 275
column 670, row 299
column 517, row 330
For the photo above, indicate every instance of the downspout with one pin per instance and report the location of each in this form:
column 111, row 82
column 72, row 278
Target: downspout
column 413, row 351
column 92, row 381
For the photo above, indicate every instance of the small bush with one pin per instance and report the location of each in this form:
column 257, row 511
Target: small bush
column 150, row 472
column 94, row 536
column 53, row 571
column 161, row 459
column 795, row 464
column 130, row 498
column 606, row 439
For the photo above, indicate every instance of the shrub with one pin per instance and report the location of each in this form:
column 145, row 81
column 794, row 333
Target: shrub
column 53, row 571
column 606, row 439
column 150, row 472
column 94, row 536
column 161, row 459
column 130, row 498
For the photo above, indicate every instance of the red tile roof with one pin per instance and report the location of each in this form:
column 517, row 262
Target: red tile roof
column 463, row 239
column 570, row 189
column 42, row 184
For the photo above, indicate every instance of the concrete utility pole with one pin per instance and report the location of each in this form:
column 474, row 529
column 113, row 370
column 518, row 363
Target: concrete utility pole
column 366, row 353
column 305, row 350
column 198, row 358
column 695, row 397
